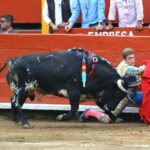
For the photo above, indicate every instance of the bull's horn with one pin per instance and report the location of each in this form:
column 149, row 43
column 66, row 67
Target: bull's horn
column 120, row 83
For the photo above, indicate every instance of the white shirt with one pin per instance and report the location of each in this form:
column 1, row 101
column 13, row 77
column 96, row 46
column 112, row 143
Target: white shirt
column 58, row 11
column 129, row 12
column 8, row 30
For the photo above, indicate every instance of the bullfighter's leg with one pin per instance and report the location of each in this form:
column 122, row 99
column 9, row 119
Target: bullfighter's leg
column 74, row 98
column 91, row 113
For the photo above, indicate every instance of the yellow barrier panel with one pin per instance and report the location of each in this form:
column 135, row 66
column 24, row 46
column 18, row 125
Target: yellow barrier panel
column 45, row 27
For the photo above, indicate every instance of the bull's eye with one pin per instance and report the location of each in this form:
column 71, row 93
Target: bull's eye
column 95, row 59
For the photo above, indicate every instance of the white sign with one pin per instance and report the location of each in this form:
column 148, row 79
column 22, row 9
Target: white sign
column 112, row 33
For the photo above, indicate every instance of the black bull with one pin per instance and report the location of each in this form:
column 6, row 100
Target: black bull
column 60, row 74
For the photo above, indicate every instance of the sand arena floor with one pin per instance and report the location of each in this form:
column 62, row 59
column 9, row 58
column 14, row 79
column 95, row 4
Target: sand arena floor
column 48, row 134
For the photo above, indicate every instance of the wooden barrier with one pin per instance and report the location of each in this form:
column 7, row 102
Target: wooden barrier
column 109, row 47
column 114, row 32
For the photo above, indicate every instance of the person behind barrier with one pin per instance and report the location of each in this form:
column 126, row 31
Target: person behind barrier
column 130, row 13
column 6, row 23
column 93, row 14
column 59, row 13
column 131, row 75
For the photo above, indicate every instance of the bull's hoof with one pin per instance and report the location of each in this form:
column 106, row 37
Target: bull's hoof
column 59, row 117
column 67, row 117
column 26, row 126
column 18, row 122
column 62, row 117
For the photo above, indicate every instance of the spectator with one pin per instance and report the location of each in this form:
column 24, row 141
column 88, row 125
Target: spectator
column 93, row 14
column 59, row 13
column 130, row 74
column 6, row 23
column 130, row 13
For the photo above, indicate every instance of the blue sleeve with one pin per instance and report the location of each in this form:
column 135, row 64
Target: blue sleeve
column 132, row 71
column 75, row 13
column 101, row 10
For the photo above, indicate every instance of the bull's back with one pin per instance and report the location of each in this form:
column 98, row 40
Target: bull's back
column 51, row 67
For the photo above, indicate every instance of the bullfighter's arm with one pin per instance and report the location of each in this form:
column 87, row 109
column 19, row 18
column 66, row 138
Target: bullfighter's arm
column 133, row 71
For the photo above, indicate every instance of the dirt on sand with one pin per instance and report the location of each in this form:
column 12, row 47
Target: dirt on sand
column 47, row 134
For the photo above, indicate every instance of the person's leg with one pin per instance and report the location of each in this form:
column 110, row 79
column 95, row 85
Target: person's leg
column 91, row 113
column 138, row 98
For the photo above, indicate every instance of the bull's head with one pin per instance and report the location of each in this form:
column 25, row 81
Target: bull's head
column 109, row 80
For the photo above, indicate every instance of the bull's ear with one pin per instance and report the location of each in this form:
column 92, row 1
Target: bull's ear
column 95, row 59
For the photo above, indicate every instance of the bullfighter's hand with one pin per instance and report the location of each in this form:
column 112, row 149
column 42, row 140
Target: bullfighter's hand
column 105, row 119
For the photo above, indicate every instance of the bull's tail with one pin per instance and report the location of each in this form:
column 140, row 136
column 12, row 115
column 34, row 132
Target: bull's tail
column 8, row 62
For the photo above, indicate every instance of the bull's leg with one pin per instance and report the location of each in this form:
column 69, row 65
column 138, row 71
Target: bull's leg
column 74, row 98
column 18, row 103
column 13, row 108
